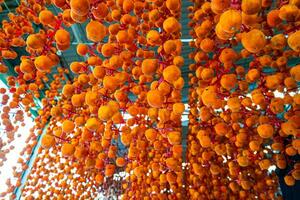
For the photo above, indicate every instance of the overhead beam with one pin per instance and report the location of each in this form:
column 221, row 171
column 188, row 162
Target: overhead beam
column 186, row 40
column 76, row 33
column 5, row 5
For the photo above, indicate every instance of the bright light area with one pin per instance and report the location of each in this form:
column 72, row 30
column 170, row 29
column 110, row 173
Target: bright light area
column 19, row 143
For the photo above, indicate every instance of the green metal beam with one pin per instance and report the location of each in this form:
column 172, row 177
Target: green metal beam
column 5, row 5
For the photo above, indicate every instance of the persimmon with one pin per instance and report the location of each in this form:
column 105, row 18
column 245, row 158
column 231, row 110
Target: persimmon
column 205, row 113
column 164, row 88
column 204, row 28
column 151, row 134
column 272, row 81
column 96, row 146
column 265, row 130
column 99, row 72
column 228, row 81
column 169, row 46
column 79, row 152
column 46, row 17
column 68, row 90
column 172, row 163
column 107, row 49
column 67, row 149
column 223, row 35
column 293, row 41
column 99, row 178
column 179, row 84
column 278, row 41
column 178, row 61
column 205, row 141
column 101, row 11
column 174, row 137
column 171, row 25
column 96, row 31
column 294, row 71
column 178, row 108
column 128, row 5
column 47, row 141
column 3, row 69
column 62, row 37
column 254, row 40
column 82, row 49
column 277, row 105
column 253, row 75
column 171, row 73
column 77, row 18
column 80, row 7
column 155, row 98
column 288, row 128
column 251, row 7
column 291, row 151
column 68, row 126
column 105, row 113
column 290, row 83
column 115, row 62
column 116, row 14
column 231, row 21
column 173, row 4
column 92, row 124
column 209, row 97
column 66, row 17
column 59, row 3
column 243, row 161
column 289, row 180
column 122, row 36
column 171, row 177
column 234, row 104
column 228, row 55
column 206, row 74
column 149, row 66
column 288, row 12
column 35, row 41
column 207, row 45
column 153, row 38
column 26, row 66
column 43, row 63
column 110, row 83
column 9, row 54
column 296, row 174
column 273, row 18
column 120, row 161
column 249, row 19
column 55, row 111
column 76, row 67
column 91, row 98
column 77, row 100
column 221, row 128
column 218, row 6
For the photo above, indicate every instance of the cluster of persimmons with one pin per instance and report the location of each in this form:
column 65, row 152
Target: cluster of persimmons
column 244, row 98
column 110, row 123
